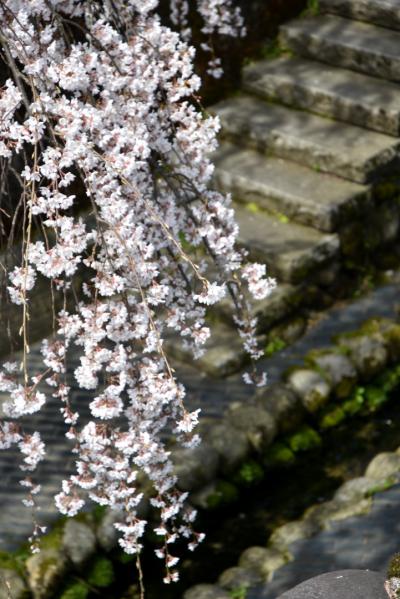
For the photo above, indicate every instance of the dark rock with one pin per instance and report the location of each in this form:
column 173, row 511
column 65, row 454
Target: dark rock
column 343, row 584
column 311, row 387
column 79, row 542
column 230, row 444
column 195, row 467
column 206, row 591
column 283, row 405
column 259, row 426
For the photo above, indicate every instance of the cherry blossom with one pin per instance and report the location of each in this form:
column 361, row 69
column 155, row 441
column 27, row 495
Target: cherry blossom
column 101, row 121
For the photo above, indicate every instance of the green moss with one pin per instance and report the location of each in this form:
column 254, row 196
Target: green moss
column 389, row 379
column 332, row 418
column 101, row 573
column 375, row 397
column 394, row 566
column 249, row 473
column 253, row 207
column 274, row 345
column 272, row 50
column 279, row 454
column 125, row 558
column 384, row 486
column 224, row 494
column 312, row 7
column 76, row 590
column 282, row 217
column 239, row 592
column 355, row 404
column 304, row 439
column 53, row 539
column 8, row 561
column 98, row 513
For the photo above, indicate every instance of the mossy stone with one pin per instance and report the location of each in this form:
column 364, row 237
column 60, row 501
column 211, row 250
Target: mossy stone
column 101, row 572
column 279, row 454
column 76, row 590
column 355, row 404
column 249, row 473
column 394, row 566
column 224, row 493
column 375, row 397
column 305, row 439
column 332, row 418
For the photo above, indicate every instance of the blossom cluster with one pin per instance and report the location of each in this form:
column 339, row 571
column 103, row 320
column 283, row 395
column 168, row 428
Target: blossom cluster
column 101, row 102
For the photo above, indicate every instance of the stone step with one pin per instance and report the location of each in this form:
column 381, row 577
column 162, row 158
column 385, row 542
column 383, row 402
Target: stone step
column 327, row 90
column 380, row 12
column 324, row 145
column 316, row 199
column 291, row 251
column 351, row 44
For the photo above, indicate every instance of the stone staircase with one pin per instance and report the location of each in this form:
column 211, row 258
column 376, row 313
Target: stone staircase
column 312, row 139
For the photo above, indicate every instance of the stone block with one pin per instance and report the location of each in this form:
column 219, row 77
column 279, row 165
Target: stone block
column 312, row 389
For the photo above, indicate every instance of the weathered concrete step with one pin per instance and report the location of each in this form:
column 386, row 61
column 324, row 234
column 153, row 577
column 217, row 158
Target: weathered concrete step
column 351, row 44
column 339, row 93
column 278, row 185
column 379, row 12
column 322, row 144
column 291, row 251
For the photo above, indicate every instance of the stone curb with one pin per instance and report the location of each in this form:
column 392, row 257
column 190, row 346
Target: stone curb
column 291, row 417
column 352, row 498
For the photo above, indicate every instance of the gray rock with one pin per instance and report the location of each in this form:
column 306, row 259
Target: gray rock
column 343, row 584
column 224, row 353
column 262, row 560
column 238, row 577
column 311, row 387
column 281, row 302
column 347, row 44
column 354, row 489
column 282, row 403
column 79, row 542
column 380, row 12
column 230, row 443
column 331, row 511
column 195, row 467
column 368, row 353
column 259, row 426
column 12, row 586
column 206, row 591
column 323, row 144
column 340, row 371
column 291, row 250
column 338, row 93
column 106, row 533
column 45, row 571
column 277, row 185
column 384, row 465
column 288, row 533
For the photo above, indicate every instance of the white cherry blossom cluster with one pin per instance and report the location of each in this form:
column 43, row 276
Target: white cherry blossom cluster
column 116, row 190
column 219, row 17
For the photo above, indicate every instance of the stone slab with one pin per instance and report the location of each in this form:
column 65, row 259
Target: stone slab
column 315, row 199
column 327, row 90
column 322, row 144
column 343, row 584
column 291, row 251
column 351, row 44
column 379, row 12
